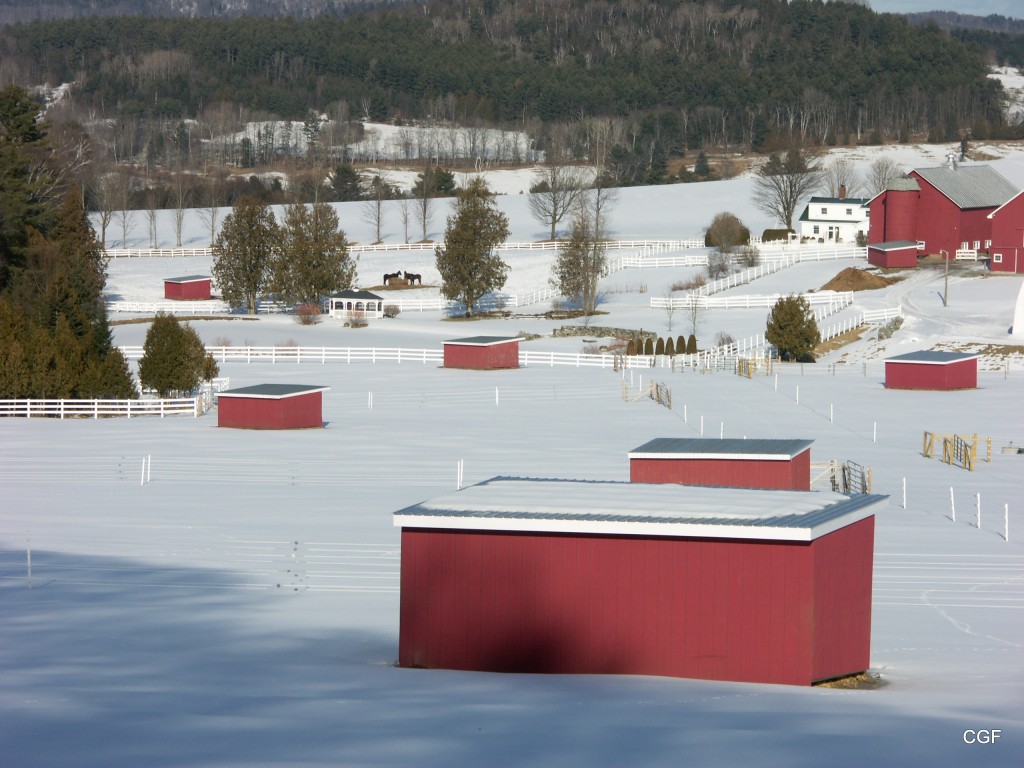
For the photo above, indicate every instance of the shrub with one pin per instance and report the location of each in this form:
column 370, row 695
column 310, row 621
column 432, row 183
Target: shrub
column 222, row 341
column 691, row 345
column 723, row 338
column 357, row 319
column 791, row 328
column 770, row 235
column 726, row 232
column 748, row 256
column 718, row 265
column 680, row 345
column 670, row 348
column 391, row 310
column 631, row 347
column 648, row 346
column 659, row 348
column 695, row 282
column 307, row 314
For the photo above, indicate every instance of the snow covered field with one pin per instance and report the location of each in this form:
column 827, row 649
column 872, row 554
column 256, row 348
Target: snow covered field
column 241, row 607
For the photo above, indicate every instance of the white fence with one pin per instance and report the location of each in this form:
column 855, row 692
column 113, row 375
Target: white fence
column 128, row 253
column 834, row 301
column 170, row 307
column 313, row 354
column 94, row 409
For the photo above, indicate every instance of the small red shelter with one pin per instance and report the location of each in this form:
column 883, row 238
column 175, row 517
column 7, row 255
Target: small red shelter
column 932, row 370
column 563, row 576
column 899, row 253
column 188, row 288
column 271, row 406
column 482, row 353
column 735, row 463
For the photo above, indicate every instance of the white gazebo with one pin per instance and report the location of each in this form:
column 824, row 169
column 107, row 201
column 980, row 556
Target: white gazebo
column 348, row 304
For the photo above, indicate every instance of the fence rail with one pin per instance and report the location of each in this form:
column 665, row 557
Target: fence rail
column 832, row 300
column 94, row 409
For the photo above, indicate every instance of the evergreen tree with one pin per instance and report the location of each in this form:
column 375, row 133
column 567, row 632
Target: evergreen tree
column 313, row 260
column 691, row 345
column 174, row 358
column 659, row 348
column 346, row 184
column 670, row 347
column 468, row 262
column 244, row 251
column 791, row 328
column 581, row 263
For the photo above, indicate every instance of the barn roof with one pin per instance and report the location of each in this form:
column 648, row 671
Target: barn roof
column 483, row 341
column 893, row 245
column 931, row 357
column 187, row 279
column 640, row 509
column 272, row 391
column 714, row 448
column 969, row 186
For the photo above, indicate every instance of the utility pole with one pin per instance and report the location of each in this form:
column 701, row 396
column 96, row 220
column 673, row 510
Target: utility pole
column 945, row 289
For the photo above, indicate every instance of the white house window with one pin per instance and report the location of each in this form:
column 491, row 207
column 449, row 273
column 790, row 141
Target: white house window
column 997, row 258
column 849, row 211
column 815, row 229
column 824, row 211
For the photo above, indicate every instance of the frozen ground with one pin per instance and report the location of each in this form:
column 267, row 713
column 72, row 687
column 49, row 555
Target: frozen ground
column 241, row 608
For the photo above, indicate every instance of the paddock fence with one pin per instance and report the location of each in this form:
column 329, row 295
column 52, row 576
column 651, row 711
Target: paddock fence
column 96, row 409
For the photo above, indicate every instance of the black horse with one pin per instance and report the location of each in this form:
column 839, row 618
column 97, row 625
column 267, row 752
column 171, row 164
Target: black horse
column 413, row 279
column 392, row 276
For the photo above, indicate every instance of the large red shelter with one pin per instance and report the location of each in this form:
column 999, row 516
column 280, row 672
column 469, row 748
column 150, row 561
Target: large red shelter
column 271, row 406
column 189, row 288
column 482, row 353
column 558, row 576
column 729, row 462
column 930, row 369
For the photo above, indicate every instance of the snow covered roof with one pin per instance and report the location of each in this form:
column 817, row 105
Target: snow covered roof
column 902, row 184
column 187, row 279
column 852, row 201
column 273, row 391
column 640, row 509
column 483, row 341
column 361, row 295
column 969, row 186
column 893, row 245
column 931, row 357
column 715, row 448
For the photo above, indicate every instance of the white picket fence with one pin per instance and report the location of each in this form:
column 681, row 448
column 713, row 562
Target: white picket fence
column 94, row 409
column 833, row 300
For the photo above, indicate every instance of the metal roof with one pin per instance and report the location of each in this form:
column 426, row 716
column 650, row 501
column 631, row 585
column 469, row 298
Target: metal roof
column 364, row 295
column 902, row 184
column 715, row 448
column 970, row 186
column 186, row 279
column 931, row 357
column 483, row 341
column 640, row 509
column 852, row 201
column 893, row 245
column 273, row 391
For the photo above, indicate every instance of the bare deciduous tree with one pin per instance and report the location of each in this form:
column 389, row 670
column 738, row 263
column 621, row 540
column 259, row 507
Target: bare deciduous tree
column 882, row 171
column 555, row 192
column 782, row 182
column 840, row 179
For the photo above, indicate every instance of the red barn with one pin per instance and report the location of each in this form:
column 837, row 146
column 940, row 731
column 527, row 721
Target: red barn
column 1007, row 250
column 271, row 406
column 898, row 253
column 188, row 288
column 944, row 208
column 482, row 353
column 723, row 462
column 932, row 370
column 563, row 576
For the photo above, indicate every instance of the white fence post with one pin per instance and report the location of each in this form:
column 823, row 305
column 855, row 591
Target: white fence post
column 952, row 504
column 1006, row 522
column 977, row 510
column 904, row 493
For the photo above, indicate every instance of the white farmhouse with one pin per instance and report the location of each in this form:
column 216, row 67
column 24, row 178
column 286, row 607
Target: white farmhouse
column 835, row 219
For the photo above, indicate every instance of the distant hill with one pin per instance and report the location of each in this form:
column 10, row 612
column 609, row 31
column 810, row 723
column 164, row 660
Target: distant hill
column 952, row 20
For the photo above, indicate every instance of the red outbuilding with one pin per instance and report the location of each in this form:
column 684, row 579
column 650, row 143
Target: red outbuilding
column 932, row 370
column 271, row 406
column 945, row 209
column 899, row 253
column 564, row 576
column 1007, row 250
column 188, row 288
column 730, row 462
column 482, row 353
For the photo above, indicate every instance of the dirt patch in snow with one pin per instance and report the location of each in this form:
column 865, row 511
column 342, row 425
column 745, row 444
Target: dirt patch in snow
column 853, row 279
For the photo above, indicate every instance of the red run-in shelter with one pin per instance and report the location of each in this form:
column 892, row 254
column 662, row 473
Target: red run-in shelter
column 734, row 463
column 899, row 253
column 188, row 288
column 568, row 576
column 482, row 353
column 271, row 406
column 930, row 369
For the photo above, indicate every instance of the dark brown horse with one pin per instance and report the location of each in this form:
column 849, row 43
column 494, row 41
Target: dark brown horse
column 392, row 276
column 413, row 279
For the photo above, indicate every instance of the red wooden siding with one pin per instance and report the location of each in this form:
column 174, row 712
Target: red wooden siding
column 899, row 216
column 586, row 604
column 962, row 374
column 190, row 291
column 298, row 412
column 794, row 474
column 481, row 358
column 842, row 600
column 1008, row 237
column 902, row 257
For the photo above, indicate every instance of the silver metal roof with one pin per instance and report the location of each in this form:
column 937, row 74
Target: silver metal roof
column 893, row 245
column 482, row 341
column 640, row 509
column 970, row 186
column 932, row 356
column 711, row 447
column 186, row 279
column 903, row 184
